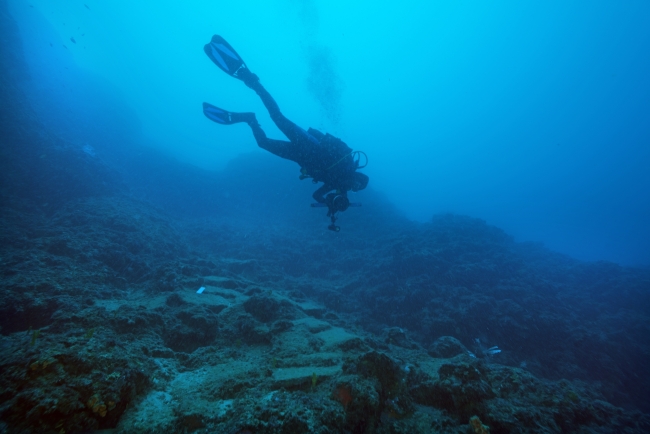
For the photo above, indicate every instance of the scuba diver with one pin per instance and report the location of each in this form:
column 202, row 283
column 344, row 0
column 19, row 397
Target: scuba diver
column 322, row 157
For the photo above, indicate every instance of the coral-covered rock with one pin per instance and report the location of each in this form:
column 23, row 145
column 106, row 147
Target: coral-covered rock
column 446, row 347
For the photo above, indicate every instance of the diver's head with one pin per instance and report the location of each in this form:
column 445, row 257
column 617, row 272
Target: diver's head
column 359, row 181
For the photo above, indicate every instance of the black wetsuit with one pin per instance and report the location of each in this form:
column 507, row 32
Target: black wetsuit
column 316, row 153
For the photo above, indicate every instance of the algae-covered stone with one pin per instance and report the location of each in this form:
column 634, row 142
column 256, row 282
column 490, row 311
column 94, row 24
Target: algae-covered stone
column 446, row 347
column 302, row 376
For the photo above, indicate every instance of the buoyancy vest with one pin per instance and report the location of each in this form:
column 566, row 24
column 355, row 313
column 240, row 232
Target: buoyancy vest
column 332, row 160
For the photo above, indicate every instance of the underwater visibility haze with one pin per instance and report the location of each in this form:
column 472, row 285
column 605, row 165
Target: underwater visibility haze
column 162, row 273
column 532, row 117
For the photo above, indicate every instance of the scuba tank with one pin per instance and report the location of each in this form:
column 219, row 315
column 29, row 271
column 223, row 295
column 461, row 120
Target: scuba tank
column 332, row 154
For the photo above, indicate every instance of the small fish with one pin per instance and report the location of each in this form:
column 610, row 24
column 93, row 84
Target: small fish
column 87, row 6
column 64, row 46
column 51, row 45
column 73, row 41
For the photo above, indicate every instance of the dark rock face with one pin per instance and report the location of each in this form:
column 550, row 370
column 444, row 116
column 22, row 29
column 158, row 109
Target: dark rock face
column 446, row 347
column 268, row 309
column 264, row 309
column 64, row 388
column 190, row 330
column 397, row 336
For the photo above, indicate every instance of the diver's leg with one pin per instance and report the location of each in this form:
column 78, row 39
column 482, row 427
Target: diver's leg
column 288, row 128
column 281, row 148
column 293, row 132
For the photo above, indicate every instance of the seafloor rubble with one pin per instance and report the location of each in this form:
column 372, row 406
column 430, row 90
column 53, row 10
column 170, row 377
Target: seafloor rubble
column 102, row 327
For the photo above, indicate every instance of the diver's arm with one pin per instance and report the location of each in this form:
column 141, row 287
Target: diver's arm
column 319, row 195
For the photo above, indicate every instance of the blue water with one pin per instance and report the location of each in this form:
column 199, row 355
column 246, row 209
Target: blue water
column 532, row 116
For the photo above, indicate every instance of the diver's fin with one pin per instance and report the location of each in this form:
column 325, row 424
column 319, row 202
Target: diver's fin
column 224, row 56
column 224, row 117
